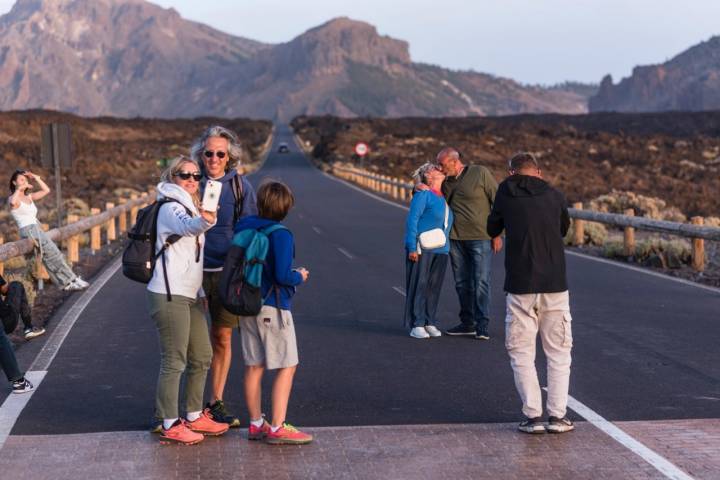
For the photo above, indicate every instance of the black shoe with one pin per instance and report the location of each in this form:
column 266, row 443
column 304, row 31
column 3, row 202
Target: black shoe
column 482, row 334
column 532, row 425
column 22, row 386
column 461, row 329
column 219, row 414
column 559, row 425
column 156, row 425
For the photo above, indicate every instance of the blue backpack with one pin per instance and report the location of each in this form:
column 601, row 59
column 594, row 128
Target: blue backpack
column 241, row 280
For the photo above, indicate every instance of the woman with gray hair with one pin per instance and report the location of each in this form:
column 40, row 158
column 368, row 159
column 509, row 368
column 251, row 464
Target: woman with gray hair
column 426, row 246
column 175, row 300
column 218, row 152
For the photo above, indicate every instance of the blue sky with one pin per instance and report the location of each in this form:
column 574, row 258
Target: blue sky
column 532, row 41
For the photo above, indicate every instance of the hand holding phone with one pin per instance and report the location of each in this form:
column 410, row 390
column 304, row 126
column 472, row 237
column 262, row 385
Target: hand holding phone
column 211, row 197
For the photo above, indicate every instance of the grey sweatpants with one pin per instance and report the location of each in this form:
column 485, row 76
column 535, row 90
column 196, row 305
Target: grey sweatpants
column 184, row 348
column 59, row 271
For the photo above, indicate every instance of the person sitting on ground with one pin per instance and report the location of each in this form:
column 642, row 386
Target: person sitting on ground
column 535, row 218
column 268, row 339
column 425, row 267
column 176, row 303
column 9, row 365
column 14, row 304
column 24, row 211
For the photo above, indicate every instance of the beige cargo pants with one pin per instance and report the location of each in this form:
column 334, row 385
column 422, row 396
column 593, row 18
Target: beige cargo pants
column 549, row 314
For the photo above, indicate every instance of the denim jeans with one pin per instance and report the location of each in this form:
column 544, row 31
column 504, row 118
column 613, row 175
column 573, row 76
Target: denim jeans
column 16, row 304
column 59, row 271
column 8, row 362
column 423, row 282
column 471, row 263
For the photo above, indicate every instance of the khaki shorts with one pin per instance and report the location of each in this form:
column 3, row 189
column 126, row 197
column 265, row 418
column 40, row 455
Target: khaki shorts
column 218, row 315
column 268, row 340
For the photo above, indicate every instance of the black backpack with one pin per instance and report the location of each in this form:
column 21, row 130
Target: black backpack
column 139, row 257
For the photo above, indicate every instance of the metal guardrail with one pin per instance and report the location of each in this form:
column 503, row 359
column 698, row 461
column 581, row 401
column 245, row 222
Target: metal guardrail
column 697, row 232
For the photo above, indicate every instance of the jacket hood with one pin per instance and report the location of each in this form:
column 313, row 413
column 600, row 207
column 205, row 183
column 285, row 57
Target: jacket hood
column 225, row 178
column 525, row 186
column 170, row 190
column 253, row 221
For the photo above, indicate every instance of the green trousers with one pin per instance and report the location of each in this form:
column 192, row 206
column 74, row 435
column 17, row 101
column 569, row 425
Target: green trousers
column 184, row 348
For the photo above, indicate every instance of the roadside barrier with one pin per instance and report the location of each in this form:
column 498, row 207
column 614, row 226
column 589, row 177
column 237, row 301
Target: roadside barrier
column 113, row 220
column 696, row 231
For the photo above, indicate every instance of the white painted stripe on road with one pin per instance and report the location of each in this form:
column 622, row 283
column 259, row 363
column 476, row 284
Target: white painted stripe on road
column 661, row 464
column 317, row 230
column 400, row 290
column 15, row 403
column 643, row 270
column 346, row 253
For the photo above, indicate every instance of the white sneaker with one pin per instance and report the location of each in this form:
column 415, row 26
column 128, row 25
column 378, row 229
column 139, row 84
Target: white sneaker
column 433, row 331
column 419, row 332
column 72, row 287
column 81, row 282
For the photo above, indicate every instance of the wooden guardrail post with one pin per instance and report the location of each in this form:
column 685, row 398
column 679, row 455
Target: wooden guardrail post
column 133, row 210
column 629, row 236
column 122, row 218
column 579, row 236
column 95, row 233
column 395, row 188
column 110, row 225
column 403, row 193
column 73, row 244
column 40, row 272
column 2, row 264
column 698, row 247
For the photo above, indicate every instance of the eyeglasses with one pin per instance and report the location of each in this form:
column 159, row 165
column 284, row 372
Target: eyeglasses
column 188, row 175
column 219, row 154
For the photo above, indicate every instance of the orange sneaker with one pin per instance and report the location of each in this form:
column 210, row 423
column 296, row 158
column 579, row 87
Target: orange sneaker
column 258, row 433
column 287, row 434
column 180, row 433
column 207, row 426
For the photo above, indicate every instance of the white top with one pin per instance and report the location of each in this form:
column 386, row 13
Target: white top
column 183, row 260
column 25, row 214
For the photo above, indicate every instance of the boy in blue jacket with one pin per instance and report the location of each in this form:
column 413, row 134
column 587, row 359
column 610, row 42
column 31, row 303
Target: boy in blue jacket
column 268, row 339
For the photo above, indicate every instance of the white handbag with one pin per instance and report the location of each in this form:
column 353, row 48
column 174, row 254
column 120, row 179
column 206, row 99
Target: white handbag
column 434, row 238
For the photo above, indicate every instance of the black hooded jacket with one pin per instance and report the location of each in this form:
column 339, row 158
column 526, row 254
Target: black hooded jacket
column 535, row 218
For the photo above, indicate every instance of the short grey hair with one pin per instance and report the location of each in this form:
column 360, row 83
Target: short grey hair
column 234, row 146
column 522, row 160
column 420, row 173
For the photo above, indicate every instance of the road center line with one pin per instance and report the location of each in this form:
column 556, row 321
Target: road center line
column 346, row 253
column 14, row 404
column 317, row 230
column 400, row 290
column 661, row 464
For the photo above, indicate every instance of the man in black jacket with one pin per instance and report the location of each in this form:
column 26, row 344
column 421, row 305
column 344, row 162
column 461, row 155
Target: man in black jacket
column 535, row 219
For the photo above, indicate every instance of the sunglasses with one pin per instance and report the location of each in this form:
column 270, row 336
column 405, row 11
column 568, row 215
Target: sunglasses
column 188, row 175
column 218, row 154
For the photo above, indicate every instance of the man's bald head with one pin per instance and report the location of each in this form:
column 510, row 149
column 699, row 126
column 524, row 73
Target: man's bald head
column 448, row 159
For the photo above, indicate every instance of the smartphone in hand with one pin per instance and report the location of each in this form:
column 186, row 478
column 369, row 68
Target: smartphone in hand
column 211, row 197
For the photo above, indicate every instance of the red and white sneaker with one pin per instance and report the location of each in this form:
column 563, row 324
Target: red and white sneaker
column 180, row 433
column 258, row 433
column 207, row 426
column 287, row 434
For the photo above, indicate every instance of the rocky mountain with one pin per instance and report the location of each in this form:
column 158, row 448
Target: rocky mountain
column 133, row 58
column 689, row 82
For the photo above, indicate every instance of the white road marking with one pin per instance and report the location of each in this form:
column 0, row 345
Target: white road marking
column 365, row 192
column 317, row 230
column 643, row 270
column 400, row 290
column 346, row 253
column 15, row 403
column 661, row 464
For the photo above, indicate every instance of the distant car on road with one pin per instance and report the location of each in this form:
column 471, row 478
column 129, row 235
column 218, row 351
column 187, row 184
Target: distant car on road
column 283, row 148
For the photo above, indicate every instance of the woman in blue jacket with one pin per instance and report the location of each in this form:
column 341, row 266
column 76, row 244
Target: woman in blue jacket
column 425, row 267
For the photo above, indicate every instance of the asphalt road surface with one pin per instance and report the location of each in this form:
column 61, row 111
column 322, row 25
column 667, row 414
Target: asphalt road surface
column 645, row 347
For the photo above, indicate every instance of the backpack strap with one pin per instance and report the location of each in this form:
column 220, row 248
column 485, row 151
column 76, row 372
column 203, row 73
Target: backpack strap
column 237, row 189
column 275, row 287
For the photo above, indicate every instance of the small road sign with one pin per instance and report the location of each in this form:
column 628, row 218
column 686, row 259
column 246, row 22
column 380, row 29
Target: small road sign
column 361, row 149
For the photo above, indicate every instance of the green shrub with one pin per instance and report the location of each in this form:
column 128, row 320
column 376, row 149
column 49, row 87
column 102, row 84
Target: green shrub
column 594, row 233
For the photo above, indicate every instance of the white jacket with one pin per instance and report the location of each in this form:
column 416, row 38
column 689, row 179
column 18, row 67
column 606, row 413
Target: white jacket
column 183, row 260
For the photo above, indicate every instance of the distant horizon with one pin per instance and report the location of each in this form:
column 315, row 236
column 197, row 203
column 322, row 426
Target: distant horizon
column 549, row 42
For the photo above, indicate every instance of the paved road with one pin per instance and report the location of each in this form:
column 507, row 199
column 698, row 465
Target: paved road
column 645, row 347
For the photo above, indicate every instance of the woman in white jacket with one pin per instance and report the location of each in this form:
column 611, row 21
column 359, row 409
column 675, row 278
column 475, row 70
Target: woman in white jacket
column 179, row 312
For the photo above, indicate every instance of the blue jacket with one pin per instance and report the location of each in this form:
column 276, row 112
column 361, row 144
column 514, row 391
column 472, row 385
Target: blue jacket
column 278, row 264
column 219, row 237
column 427, row 211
